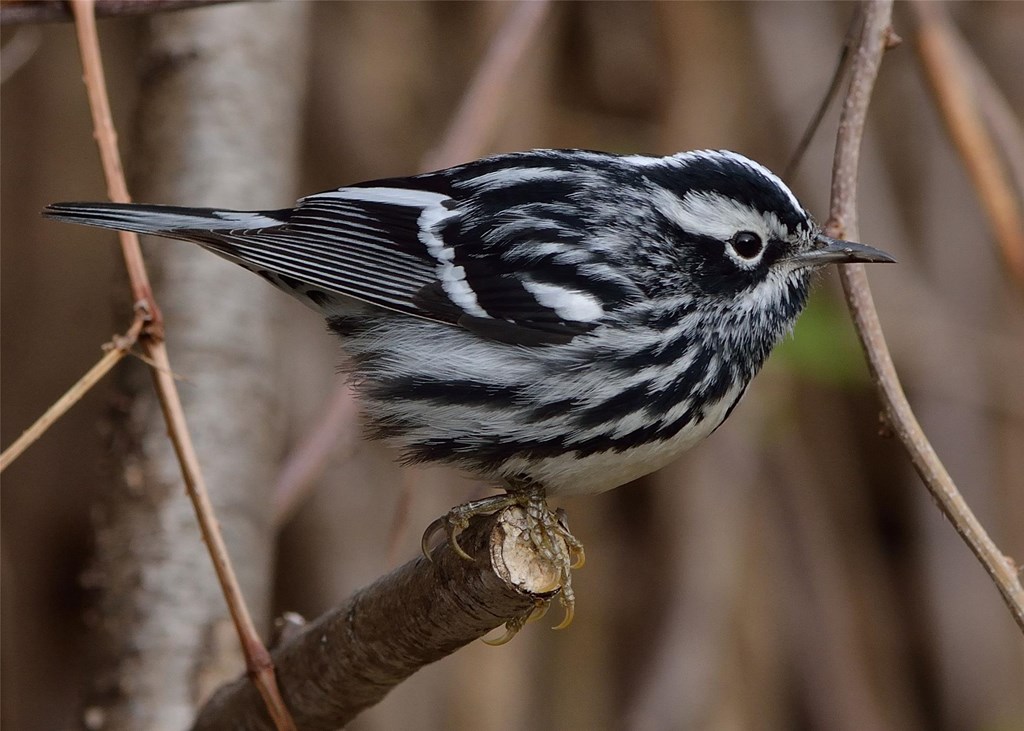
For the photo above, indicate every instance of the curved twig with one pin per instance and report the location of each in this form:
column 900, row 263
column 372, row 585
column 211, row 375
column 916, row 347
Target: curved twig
column 18, row 51
column 480, row 109
column 842, row 67
column 949, row 76
column 843, row 222
column 307, row 461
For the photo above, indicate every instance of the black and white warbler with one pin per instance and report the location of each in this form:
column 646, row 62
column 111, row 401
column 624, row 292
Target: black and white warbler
column 559, row 321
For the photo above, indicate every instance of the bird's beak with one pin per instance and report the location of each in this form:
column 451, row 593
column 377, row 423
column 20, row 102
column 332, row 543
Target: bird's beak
column 836, row 251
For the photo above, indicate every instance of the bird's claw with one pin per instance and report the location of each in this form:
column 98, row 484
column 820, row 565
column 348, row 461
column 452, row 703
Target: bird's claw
column 452, row 524
column 539, row 610
column 512, row 628
column 568, row 602
column 457, row 520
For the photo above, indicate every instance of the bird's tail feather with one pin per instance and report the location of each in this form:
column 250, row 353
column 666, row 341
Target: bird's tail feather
column 162, row 220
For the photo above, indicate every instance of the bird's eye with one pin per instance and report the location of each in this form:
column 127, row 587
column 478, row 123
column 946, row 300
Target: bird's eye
column 747, row 244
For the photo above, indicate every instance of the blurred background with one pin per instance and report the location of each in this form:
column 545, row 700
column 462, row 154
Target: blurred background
column 791, row 572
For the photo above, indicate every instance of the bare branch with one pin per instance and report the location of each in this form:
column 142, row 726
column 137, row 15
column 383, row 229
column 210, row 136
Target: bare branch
column 842, row 66
column 350, row 658
column 306, row 462
column 257, row 658
column 14, row 12
column 481, row 107
column 843, row 222
column 950, row 79
column 1006, row 127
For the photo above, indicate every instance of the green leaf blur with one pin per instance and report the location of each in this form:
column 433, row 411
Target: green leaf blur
column 823, row 346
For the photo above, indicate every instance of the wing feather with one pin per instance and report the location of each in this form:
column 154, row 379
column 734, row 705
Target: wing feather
column 505, row 261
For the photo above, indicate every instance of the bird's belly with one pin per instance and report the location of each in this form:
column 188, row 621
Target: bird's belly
column 575, row 474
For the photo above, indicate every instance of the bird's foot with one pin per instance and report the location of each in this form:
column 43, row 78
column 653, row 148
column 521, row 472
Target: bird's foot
column 547, row 531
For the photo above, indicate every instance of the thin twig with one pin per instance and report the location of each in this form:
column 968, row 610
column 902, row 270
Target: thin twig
column 843, row 222
column 481, row 108
column 1006, row 127
column 258, row 661
column 118, row 348
column 305, row 463
column 400, row 517
column 842, row 66
column 949, row 77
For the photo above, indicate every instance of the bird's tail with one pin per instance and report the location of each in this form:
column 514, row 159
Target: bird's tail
column 173, row 221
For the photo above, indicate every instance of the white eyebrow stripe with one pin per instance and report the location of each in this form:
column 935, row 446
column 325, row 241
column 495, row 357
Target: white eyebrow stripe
column 710, row 214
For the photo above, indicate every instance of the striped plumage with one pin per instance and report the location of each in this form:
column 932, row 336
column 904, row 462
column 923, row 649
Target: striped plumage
column 560, row 318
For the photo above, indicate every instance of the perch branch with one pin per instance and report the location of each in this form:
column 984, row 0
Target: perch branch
column 349, row 658
column 843, row 222
column 948, row 74
column 257, row 658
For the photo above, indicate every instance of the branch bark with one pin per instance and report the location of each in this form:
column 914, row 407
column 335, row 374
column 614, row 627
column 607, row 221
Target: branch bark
column 842, row 223
column 352, row 656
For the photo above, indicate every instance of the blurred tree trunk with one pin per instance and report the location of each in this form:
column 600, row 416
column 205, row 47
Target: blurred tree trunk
column 217, row 124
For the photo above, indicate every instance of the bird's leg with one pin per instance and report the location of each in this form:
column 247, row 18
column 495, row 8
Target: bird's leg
column 548, row 531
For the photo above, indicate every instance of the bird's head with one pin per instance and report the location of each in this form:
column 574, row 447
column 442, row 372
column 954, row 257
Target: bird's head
column 741, row 235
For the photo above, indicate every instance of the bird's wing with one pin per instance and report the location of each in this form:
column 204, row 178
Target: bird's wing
column 509, row 268
column 511, row 238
